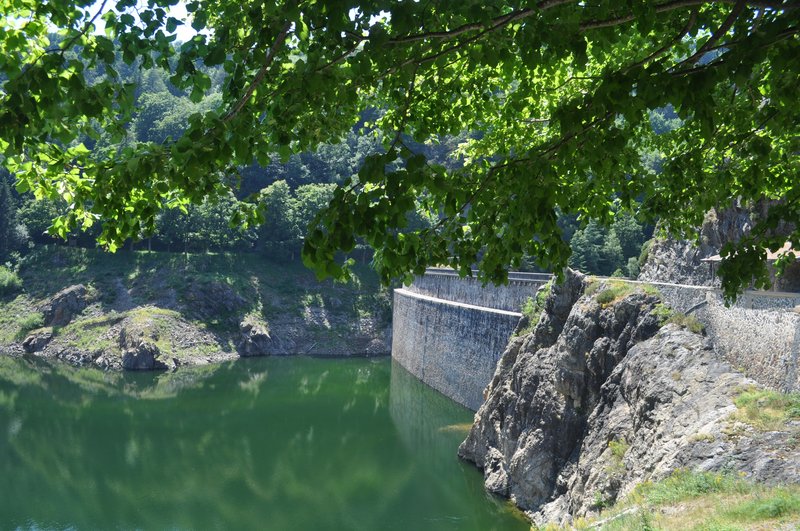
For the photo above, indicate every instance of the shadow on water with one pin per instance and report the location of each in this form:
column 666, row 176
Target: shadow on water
column 278, row 443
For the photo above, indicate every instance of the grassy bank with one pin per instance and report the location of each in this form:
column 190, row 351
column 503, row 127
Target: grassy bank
column 700, row 501
column 714, row 501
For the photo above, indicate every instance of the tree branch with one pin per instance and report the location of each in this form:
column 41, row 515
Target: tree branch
column 262, row 73
column 84, row 30
column 680, row 4
column 548, row 4
column 686, row 29
column 66, row 46
column 721, row 31
column 499, row 21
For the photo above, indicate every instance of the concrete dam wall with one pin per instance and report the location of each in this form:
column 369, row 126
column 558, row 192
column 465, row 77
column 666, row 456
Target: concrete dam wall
column 451, row 344
column 446, row 285
column 450, row 332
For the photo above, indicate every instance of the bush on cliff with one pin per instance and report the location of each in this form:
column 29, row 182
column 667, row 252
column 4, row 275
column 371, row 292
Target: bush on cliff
column 9, row 282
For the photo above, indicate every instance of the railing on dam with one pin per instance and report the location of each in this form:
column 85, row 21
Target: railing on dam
column 445, row 284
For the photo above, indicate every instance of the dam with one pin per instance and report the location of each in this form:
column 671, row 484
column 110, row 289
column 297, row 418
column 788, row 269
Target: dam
column 450, row 331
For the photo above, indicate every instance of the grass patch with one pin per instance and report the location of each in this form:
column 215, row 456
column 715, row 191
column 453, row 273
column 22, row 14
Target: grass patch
column 614, row 291
column 767, row 410
column 592, row 286
column 776, row 504
column 700, row 500
column 10, row 282
column 684, row 485
column 667, row 315
column 27, row 323
column 11, row 314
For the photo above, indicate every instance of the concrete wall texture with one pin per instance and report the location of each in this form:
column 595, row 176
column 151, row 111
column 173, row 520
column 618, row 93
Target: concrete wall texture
column 453, row 347
column 446, row 285
column 450, row 332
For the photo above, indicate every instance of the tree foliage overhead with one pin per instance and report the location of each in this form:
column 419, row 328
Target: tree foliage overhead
column 561, row 91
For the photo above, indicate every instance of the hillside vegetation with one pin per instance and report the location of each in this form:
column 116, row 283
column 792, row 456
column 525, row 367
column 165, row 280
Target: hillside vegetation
column 193, row 307
column 701, row 501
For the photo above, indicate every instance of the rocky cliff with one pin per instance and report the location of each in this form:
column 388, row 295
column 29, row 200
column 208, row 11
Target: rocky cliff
column 679, row 261
column 600, row 397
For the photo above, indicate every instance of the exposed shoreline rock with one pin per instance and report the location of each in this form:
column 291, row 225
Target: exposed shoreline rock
column 600, row 398
column 188, row 310
column 65, row 305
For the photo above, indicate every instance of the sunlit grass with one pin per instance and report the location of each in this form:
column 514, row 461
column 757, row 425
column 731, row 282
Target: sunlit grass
column 765, row 409
column 700, row 501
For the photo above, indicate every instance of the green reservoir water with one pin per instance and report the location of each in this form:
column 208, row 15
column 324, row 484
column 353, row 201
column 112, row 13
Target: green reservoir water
column 275, row 443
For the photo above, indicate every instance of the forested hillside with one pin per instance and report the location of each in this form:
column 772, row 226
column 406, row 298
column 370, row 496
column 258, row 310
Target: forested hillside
column 289, row 190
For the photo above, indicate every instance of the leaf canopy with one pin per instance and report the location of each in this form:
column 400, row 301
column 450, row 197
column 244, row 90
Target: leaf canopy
column 560, row 92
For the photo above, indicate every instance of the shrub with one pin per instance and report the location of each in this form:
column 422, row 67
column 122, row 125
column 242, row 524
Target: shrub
column 645, row 252
column 632, row 267
column 618, row 449
column 27, row 323
column 533, row 307
column 9, row 282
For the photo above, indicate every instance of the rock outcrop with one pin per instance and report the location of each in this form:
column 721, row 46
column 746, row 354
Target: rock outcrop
column 139, row 349
column 65, row 305
column 37, row 340
column 680, row 261
column 599, row 398
column 256, row 340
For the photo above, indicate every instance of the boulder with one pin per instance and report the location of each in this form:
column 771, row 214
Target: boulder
column 37, row 340
column 65, row 305
column 142, row 357
column 139, row 351
column 255, row 339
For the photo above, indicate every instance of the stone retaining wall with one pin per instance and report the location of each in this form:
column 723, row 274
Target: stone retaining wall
column 760, row 335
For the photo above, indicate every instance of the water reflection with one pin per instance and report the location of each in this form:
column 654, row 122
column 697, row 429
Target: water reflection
column 294, row 443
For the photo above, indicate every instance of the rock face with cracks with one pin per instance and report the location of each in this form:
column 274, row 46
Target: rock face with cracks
column 65, row 305
column 600, row 398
